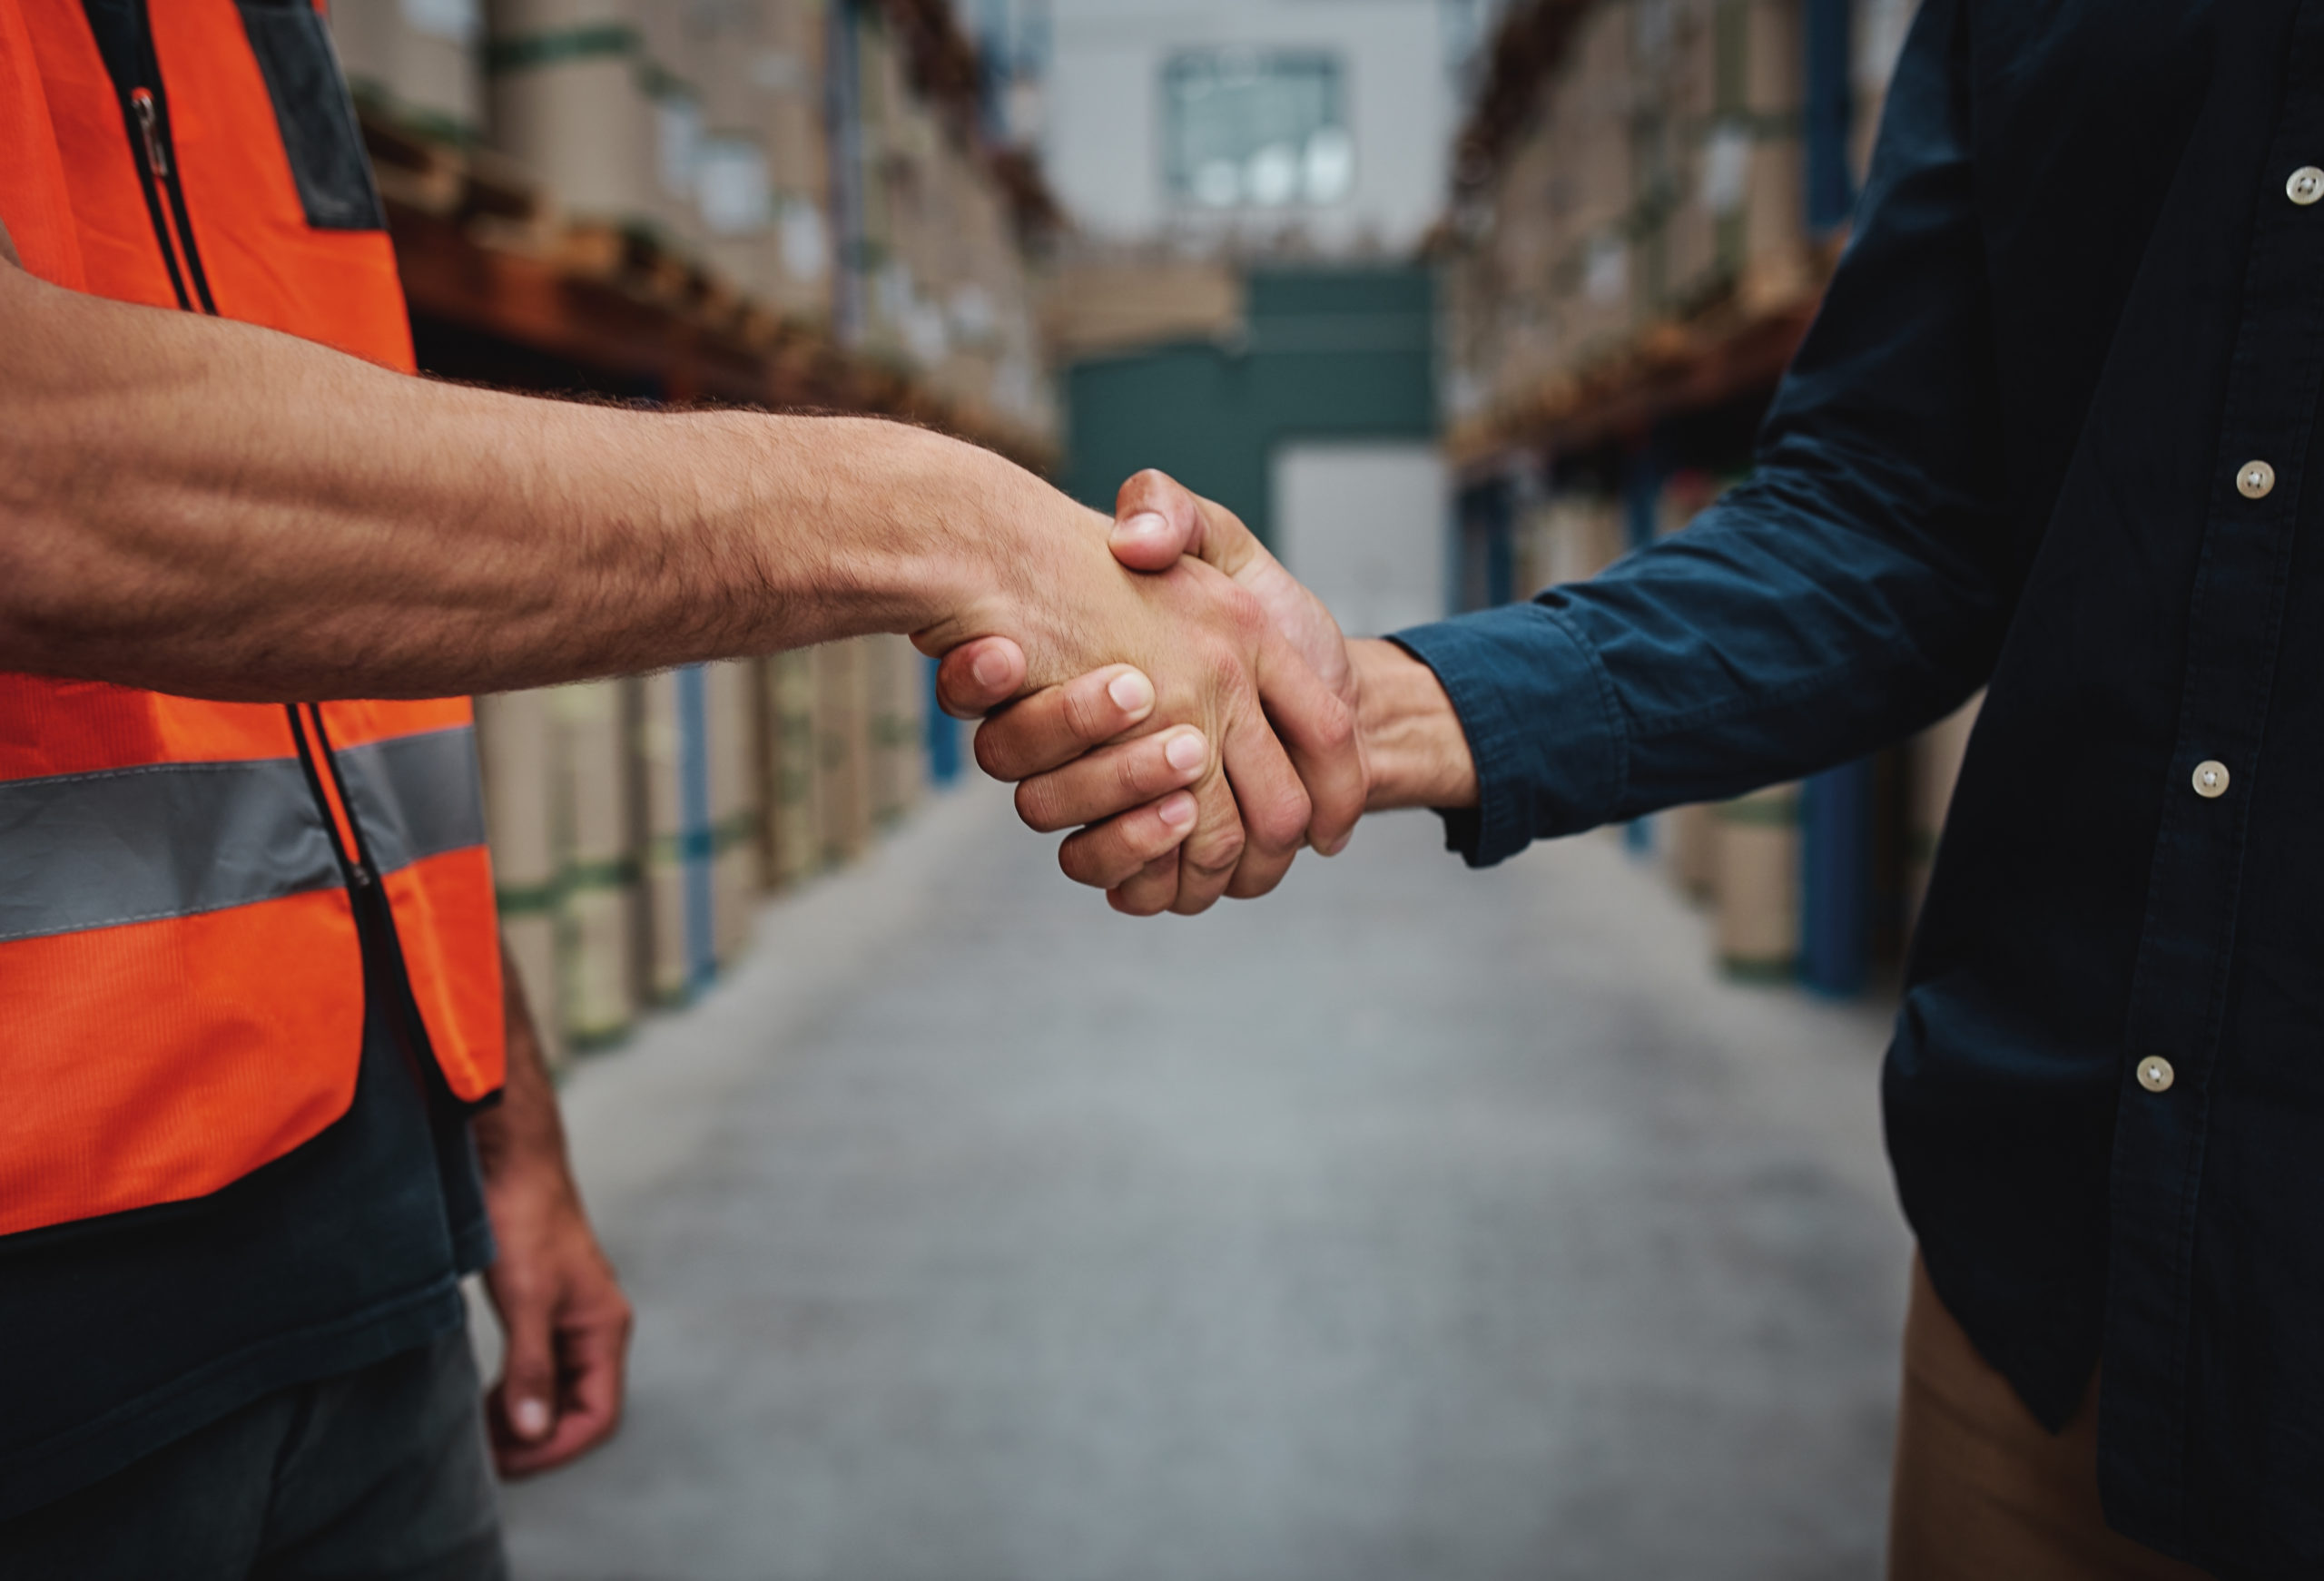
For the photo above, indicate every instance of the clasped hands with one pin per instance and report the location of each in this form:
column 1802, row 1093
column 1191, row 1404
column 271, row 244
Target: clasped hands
column 1241, row 727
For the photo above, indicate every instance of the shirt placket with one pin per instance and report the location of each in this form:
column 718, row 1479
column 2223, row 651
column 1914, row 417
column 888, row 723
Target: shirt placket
column 2186, row 943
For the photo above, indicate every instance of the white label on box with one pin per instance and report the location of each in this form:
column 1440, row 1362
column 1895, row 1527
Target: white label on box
column 1726, row 167
column 731, row 183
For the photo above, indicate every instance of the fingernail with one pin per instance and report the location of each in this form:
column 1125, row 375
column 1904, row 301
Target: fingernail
column 1187, row 751
column 1131, row 691
column 529, row 1418
column 990, row 669
column 1177, row 811
column 1144, row 524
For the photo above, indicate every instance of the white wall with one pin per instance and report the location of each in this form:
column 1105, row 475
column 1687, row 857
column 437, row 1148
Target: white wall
column 1363, row 525
column 1102, row 123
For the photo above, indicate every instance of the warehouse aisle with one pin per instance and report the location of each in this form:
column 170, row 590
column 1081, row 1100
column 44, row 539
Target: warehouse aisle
column 1416, row 1223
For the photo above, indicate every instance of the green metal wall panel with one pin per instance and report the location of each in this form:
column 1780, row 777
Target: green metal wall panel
column 1337, row 353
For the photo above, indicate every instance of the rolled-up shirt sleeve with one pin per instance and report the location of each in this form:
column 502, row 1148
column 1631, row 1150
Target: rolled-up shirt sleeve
column 1853, row 590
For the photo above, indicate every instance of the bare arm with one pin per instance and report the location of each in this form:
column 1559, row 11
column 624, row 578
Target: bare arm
column 561, row 1305
column 214, row 509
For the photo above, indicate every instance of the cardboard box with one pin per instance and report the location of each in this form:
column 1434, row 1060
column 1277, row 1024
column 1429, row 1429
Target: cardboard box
column 516, row 742
column 422, row 64
column 1758, row 884
column 597, row 985
column 842, row 768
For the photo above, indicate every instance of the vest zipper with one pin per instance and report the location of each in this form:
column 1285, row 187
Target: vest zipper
column 385, row 970
column 315, row 760
column 147, row 111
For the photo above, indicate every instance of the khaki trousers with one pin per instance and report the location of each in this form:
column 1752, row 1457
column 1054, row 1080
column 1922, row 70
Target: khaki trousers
column 1982, row 1490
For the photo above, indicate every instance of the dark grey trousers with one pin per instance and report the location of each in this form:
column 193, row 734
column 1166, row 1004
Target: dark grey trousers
column 377, row 1474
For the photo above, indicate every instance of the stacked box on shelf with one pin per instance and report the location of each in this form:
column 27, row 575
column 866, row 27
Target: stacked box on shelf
column 674, row 43
column 1736, row 85
column 1757, row 884
column 733, row 178
column 659, row 743
column 843, row 767
column 1770, row 254
column 791, row 753
column 896, row 687
column 1878, row 29
column 421, row 61
column 515, row 740
column 1588, row 134
column 788, row 74
column 567, row 99
column 1569, row 537
column 735, row 812
column 596, row 978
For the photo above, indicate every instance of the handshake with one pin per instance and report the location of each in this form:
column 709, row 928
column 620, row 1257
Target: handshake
column 1189, row 709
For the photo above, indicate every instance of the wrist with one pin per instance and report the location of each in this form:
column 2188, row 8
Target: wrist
column 1415, row 753
column 1015, row 558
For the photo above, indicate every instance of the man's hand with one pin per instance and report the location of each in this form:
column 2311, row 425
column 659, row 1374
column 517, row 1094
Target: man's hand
column 561, row 1307
column 1058, row 741
column 1269, row 756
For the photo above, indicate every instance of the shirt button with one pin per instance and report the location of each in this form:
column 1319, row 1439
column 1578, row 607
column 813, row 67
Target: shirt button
column 2306, row 185
column 2255, row 479
column 2155, row 1075
column 2211, row 779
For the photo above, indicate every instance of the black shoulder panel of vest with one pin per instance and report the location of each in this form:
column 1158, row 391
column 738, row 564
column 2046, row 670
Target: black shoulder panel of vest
column 315, row 113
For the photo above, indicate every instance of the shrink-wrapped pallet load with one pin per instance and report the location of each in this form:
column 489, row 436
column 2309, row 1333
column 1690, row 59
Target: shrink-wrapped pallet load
column 1758, row 884
column 597, row 986
column 516, row 738
column 843, row 770
column 420, row 61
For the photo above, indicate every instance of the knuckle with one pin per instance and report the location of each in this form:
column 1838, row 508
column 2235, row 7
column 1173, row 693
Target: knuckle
column 1336, row 727
column 1281, row 824
column 1036, row 806
column 993, row 750
column 1140, row 772
column 1218, row 855
column 1090, row 712
column 1084, row 862
column 1244, row 612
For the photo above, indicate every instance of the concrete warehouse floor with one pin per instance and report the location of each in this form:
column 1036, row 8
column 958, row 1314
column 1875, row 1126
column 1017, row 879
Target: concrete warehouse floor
column 1412, row 1223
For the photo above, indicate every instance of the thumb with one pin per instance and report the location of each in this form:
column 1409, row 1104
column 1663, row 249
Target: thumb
column 978, row 676
column 528, row 1390
column 1157, row 519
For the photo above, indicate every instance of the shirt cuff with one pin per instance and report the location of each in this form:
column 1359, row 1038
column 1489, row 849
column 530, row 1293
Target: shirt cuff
column 1539, row 711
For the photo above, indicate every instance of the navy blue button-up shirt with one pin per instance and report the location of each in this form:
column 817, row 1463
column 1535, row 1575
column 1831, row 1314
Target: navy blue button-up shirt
column 2082, row 298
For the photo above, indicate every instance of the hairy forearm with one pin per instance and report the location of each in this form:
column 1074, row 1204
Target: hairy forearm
column 211, row 509
column 1416, row 751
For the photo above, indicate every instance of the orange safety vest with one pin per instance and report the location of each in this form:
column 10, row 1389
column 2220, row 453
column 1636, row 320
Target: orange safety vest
column 181, row 985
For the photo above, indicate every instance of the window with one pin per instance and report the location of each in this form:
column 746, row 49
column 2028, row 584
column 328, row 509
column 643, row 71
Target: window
column 1256, row 130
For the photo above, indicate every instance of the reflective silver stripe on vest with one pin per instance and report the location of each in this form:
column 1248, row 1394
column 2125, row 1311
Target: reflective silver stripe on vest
column 416, row 796
column 165, row 839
